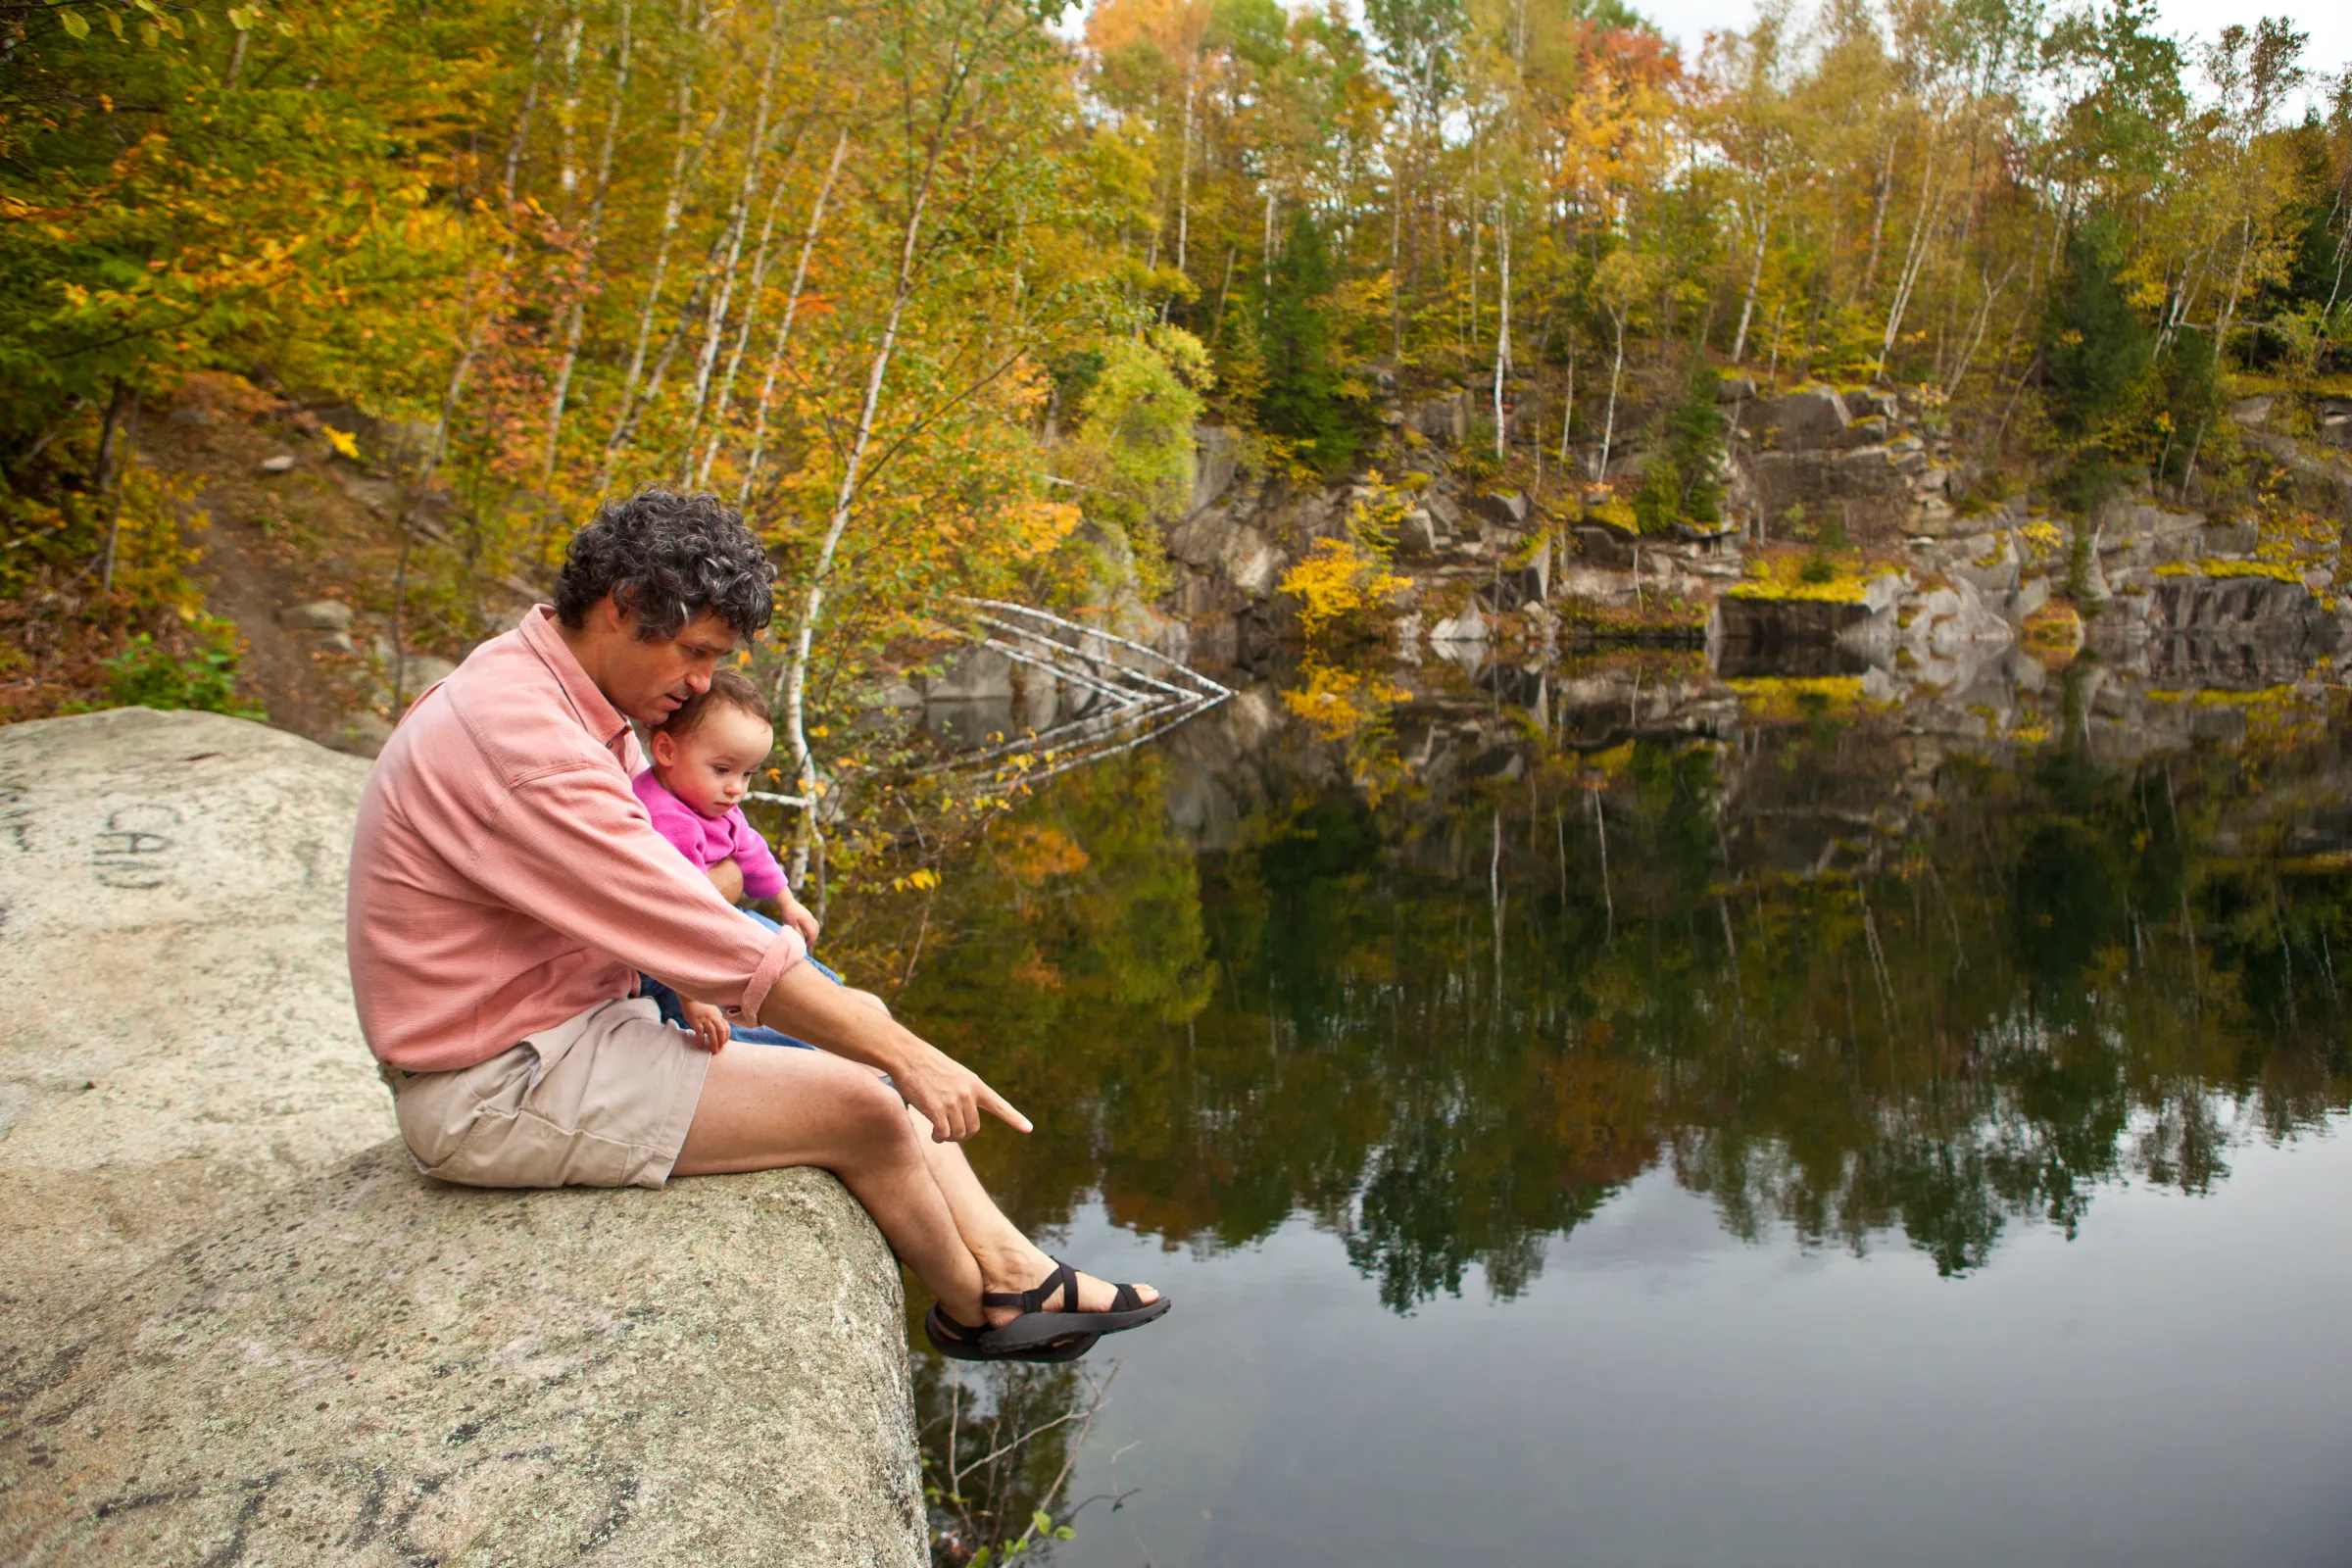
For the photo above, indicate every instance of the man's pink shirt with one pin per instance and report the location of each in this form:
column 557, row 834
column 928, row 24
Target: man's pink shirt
column 709, row 840
column 505, row 876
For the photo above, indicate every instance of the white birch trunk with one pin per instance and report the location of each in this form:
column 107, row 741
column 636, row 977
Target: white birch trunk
column 812, row 606
column 1755, row 277
column 1502, row 328
column 1609, row 426
column 578, row 314
column 792, row 305
column 738, row 218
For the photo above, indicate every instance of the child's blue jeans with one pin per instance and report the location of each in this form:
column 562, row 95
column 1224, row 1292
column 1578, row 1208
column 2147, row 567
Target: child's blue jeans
column 674, row 1014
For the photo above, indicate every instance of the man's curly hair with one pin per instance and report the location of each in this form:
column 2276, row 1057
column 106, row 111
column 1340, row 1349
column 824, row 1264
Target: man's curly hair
column 669, row 558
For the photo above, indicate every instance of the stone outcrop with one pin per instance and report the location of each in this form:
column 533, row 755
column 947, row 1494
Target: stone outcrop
column 235, row 1326
column 1811, row 465
column 372, row 1368
column 179, row 1032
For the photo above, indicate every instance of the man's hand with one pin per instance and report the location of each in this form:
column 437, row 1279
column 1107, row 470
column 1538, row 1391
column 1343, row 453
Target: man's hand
column 942, row 1091
column 727, row 877
column 710, row 1026
column 797, row 917
column 950, row 1095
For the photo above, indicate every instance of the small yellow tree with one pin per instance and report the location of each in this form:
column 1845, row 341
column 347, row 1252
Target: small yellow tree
column 1345, row 586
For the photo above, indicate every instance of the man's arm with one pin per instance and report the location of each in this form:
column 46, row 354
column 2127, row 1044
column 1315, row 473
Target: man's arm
column 727, row 877
column 576, row 850
column 949, row 1095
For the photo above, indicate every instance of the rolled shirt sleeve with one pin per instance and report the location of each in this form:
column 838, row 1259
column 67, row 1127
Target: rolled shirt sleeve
column 576, row 848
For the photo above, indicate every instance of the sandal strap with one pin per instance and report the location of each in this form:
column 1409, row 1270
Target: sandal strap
column 1063, row 1278
column 956, row 1329
column 1128, row 1299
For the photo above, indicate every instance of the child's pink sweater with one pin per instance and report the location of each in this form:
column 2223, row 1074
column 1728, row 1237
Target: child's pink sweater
column 707, row 841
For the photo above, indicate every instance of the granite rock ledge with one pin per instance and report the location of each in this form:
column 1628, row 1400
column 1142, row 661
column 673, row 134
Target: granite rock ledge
column 237, row 1327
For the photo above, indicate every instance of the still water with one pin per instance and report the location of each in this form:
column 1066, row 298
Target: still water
column 1621, row 1116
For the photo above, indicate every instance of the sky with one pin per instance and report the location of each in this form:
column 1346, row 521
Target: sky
column 2328, row 22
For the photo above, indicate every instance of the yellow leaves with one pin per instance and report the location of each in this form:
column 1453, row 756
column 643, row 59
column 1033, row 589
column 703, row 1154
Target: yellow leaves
column 921, row 880
column 344, row 442
column 1340, row 580
column 74, row 21
column 1783, row 700
column 1038, row 852
column 1341, row 704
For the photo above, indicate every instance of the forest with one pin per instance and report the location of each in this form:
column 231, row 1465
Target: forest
column 937, row 290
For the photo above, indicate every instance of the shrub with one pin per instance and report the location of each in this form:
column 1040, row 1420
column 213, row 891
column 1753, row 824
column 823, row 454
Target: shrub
column 147, row 674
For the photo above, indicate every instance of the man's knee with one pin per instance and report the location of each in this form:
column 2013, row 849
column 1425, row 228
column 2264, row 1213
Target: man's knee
column 876, row 1113
column 870, row 1000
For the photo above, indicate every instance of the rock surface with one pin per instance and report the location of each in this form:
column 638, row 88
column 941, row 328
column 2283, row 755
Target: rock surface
column 237, row 1327
column 179, row 1032
column 372, row 1368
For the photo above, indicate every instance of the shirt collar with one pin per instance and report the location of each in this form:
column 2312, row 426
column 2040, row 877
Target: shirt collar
column 589, row 705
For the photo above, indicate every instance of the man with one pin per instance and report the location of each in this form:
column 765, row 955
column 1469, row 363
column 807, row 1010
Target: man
column 507, row 888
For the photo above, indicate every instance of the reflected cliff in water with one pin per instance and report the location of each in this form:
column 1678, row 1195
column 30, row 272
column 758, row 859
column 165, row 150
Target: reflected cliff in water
column 1442, row 958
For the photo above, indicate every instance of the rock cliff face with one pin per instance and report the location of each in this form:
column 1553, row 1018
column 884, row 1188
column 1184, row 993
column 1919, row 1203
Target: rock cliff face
column 239, row 1328
column 1959, row 578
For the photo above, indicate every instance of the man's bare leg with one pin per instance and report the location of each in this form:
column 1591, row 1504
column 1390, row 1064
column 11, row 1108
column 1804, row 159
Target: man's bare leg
column 1008, row 1260
column 765, row 1107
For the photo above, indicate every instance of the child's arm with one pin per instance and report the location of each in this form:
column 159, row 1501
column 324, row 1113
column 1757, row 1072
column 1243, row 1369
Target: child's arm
column 762, row 877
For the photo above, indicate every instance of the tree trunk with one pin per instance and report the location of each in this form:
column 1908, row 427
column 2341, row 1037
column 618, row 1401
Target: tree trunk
column 1568, row 409
column 121, row 434
column 1915, row 258
column 796, row 672
column 686, row 158
column 1608, row 428
column 1503, row 326
column 739, row 214
column 742, row 334
column 593, row 236
column 1183, row 177
column 1396, row 276
column 1748, row 305
column 792, row 307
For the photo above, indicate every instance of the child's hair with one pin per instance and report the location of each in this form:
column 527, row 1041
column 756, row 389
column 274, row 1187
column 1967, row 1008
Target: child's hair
column 729, row 688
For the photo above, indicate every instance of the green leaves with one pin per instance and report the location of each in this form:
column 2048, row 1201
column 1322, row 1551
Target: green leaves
column 74, row 21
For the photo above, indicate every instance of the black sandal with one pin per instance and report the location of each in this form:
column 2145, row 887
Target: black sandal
column 961, row 1342
column 1036, row 1326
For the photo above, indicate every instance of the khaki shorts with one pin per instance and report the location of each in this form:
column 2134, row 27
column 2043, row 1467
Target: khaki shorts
column 602, row 1099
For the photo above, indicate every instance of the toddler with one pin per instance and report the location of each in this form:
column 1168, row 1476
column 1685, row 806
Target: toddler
column 705, row 758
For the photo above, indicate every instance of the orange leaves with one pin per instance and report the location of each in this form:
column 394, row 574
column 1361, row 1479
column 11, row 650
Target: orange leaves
column 1036, row 851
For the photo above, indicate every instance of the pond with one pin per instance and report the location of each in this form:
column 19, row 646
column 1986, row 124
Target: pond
column 1614, row 1113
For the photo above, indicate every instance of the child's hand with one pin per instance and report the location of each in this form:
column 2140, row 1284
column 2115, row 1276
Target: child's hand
column 710, row 1026
column 797, row 916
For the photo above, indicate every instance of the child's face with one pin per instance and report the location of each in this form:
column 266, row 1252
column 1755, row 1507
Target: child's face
column 712, row 766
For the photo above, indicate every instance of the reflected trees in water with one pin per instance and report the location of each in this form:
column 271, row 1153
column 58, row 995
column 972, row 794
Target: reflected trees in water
column 1829, row 999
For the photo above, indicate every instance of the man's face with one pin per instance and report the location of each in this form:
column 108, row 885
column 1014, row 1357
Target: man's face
column 649, row 681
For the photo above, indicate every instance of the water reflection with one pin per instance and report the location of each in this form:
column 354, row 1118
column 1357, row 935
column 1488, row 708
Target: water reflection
column 1445, row 976
column 1435, row 963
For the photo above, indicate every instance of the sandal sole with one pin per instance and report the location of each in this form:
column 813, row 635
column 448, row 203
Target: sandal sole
column 1062, row 1347
column 1044, row 1328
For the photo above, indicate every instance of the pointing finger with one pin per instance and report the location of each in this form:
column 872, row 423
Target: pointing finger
column 997, row 1105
